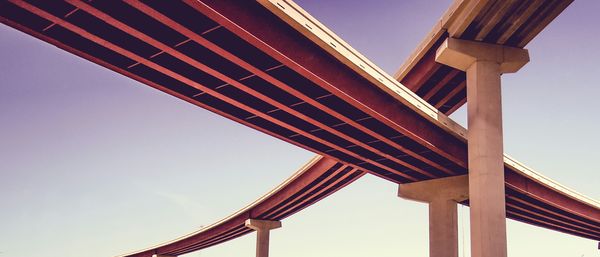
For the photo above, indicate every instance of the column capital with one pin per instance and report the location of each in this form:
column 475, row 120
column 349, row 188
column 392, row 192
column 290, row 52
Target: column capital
column 262, row 224
column 461, row 54
column 454, row 188
column 441, row 195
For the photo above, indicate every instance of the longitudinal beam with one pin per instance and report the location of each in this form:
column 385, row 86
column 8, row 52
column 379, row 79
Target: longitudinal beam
column 199, row 86
column 288, row 88
column 230, row 81
column 333, row 77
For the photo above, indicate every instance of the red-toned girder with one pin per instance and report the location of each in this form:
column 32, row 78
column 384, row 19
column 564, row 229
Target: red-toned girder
column 337, row 182
column 460, row 87
column 143, row 80
column 231, row 57
column 456, row 106
column 269, row 213
column 314, row 170
column 199, row 86
column 436, row 88
column 164, row 48
column 549, row 196
column 511, row 213
column 556, row 222
column 421, row 73
column 295, row 51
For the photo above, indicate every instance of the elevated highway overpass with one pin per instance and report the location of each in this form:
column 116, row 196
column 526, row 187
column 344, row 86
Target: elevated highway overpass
column 323, row 176
column 278, row 70
column 511, row 23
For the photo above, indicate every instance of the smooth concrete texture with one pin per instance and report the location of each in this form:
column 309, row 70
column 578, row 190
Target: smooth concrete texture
column 486, row 166
column 461, row 54
column 161, row 255
column 484, row 64
column 262, row 228
column 453, row 188
column 442, row 196
column 443, row 229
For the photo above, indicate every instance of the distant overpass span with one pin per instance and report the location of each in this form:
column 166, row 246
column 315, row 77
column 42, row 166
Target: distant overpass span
column 314, row 181
column 269, row 65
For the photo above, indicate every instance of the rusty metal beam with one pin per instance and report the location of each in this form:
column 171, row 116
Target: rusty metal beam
column 293, row 50
column 288, row 88
column 230, row 81
column 199, row 86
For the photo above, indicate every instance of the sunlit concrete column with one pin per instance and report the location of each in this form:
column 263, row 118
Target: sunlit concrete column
column 262, row 228
column 484, row 63
column 442, row 196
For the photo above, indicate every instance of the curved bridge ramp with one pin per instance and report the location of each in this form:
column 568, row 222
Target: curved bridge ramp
column 314, row 181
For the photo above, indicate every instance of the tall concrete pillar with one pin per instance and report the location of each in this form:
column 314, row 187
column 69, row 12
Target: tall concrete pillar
column 262, row 228
column 484, row 63
column 442, row 196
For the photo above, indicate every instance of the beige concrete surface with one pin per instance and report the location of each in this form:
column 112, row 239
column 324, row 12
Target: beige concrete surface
column 262, row 228
column 442, row 196
column 484, row 64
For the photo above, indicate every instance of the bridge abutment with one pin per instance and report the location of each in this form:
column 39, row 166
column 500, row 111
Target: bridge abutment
column 484, row 64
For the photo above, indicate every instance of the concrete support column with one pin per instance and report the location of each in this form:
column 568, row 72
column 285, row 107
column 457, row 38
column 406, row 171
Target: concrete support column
column 443, row 228
column 442, row 196
column 486, row 160
column 484, row 64
column 262, row 228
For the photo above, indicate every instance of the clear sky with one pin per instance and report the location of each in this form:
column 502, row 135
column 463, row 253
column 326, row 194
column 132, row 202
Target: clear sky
column 95, row 164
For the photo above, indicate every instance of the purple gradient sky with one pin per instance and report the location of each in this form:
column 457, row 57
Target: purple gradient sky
column 96, row 164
